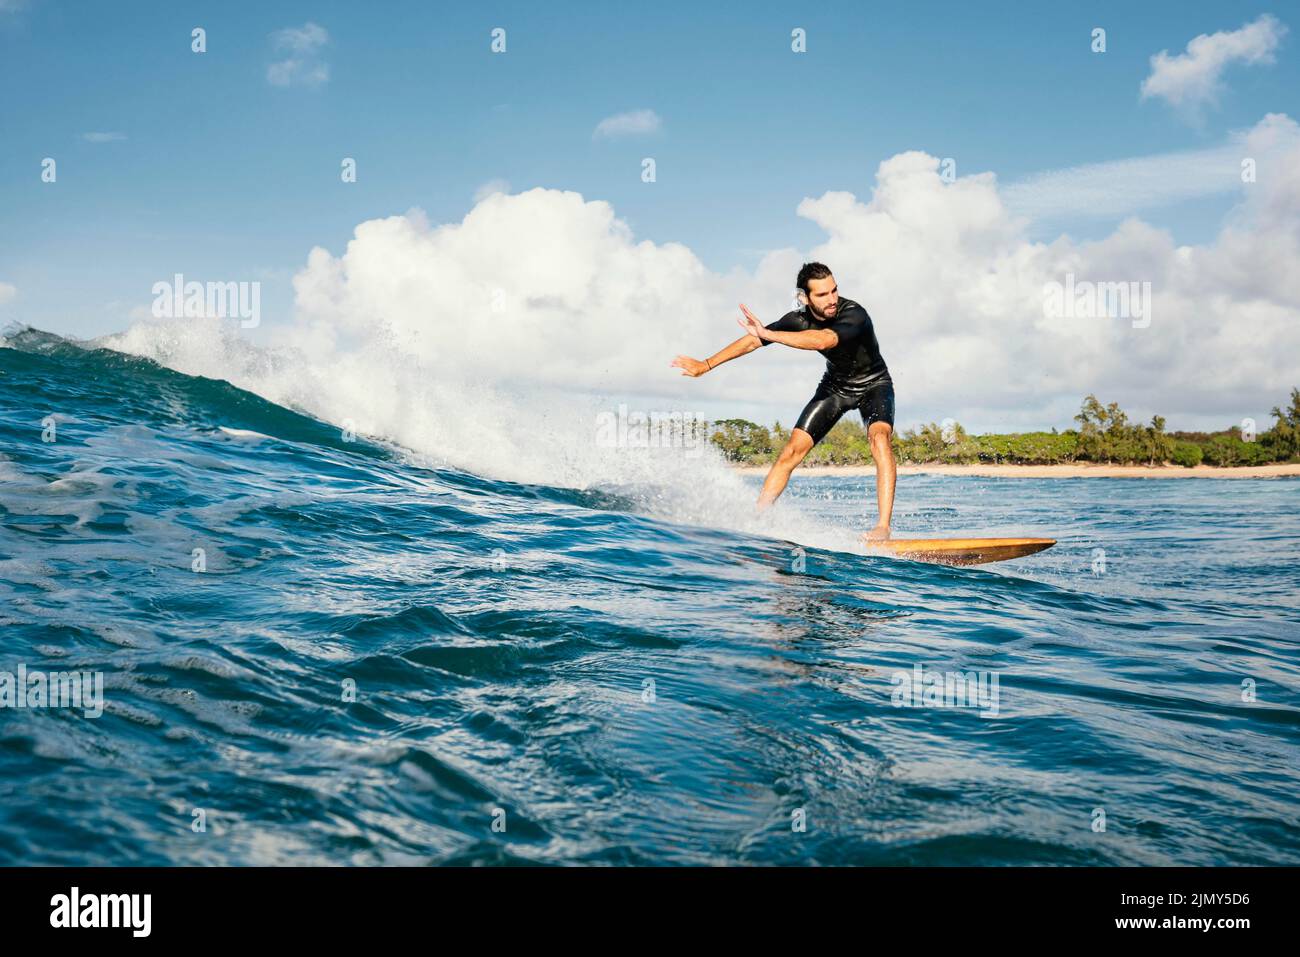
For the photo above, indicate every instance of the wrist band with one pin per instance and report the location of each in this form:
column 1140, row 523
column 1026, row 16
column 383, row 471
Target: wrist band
column 709, row 364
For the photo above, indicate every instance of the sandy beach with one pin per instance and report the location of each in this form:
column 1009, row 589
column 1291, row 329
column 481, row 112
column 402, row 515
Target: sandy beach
column 1078, row 470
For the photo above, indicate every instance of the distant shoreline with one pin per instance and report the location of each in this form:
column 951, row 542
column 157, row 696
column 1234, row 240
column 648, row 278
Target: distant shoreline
column 1072, row 470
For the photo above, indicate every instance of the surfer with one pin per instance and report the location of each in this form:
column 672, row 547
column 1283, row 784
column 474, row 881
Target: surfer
column 856, row 378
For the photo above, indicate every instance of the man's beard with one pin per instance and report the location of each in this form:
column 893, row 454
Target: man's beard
column 818, row 314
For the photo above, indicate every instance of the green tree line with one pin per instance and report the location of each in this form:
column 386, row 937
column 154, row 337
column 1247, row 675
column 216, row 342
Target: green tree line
column 1104, row 435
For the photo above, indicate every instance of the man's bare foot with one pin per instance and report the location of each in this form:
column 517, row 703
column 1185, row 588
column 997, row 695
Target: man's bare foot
column 878, row 534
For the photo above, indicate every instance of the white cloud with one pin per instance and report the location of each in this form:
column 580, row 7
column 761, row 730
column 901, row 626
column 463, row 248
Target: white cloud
column 304, row 40
column 545, row 287
column 636, row 123
column 297, row 73
column 102, row 137
column 303, row 65
column 490, row 187
column 1118, row 187
column 1194, row 78
column 8, row 291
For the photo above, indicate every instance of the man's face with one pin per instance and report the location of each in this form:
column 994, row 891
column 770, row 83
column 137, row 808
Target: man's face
column 823, row 297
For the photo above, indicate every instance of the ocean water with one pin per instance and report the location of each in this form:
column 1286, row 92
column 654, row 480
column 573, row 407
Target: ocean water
column 324, row 649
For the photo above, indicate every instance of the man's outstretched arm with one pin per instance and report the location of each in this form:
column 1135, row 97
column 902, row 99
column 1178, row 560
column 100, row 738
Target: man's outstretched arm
column 697, row 367
column 817, row 339
column 757, row 334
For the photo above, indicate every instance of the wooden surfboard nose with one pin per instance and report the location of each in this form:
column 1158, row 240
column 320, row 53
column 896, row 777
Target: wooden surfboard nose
column 961, row 551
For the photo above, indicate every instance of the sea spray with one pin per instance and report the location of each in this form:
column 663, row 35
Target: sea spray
column 509, row 431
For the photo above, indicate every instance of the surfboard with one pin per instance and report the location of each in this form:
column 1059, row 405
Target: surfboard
column 961, row 551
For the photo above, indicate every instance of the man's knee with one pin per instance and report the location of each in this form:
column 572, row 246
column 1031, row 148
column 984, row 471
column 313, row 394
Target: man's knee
column 881, row 436
column 798, row 445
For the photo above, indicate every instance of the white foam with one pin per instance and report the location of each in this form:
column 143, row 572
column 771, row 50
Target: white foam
column 495, row 430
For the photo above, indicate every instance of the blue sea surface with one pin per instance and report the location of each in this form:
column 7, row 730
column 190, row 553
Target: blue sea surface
column 316, row 652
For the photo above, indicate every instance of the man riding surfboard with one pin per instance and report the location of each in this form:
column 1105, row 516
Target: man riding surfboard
column 856, row 378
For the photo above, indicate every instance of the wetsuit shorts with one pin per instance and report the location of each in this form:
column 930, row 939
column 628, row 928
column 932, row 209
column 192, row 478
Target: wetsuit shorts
column 827, row 407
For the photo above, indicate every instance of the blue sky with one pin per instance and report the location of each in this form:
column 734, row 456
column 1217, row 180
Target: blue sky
column 220, row 172
column 212, row 170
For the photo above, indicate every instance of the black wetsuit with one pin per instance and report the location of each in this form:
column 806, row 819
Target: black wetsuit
column 856, row 376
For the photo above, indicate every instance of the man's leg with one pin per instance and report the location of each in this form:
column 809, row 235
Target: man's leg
column 796, row 448
column 882, row 451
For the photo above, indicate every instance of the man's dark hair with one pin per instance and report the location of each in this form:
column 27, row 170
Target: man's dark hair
column 811, row 271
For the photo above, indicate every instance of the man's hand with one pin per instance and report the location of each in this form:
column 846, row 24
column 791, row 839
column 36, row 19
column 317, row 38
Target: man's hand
column 751, row 324
column 691, row 367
